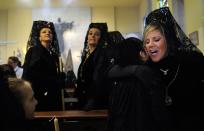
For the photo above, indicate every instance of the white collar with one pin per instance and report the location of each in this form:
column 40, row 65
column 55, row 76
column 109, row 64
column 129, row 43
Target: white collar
column 16, row 68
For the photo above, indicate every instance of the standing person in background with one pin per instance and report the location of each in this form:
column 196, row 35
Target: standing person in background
column 114, row 39
column 108, row 56
column 8, row 70
column 178, row 104
column 41, row 66
column 86, row 86
column 14, row 62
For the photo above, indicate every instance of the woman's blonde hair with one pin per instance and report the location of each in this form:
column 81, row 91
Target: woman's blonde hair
column 152, row 27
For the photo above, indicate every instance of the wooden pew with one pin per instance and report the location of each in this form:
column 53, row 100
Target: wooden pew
column 74, row 114
column 71, row 114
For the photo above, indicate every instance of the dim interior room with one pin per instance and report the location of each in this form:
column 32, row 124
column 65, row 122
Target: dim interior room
column 126, row 16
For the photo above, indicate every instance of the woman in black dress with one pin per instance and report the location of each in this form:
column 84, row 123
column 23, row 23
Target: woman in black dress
column 41, row 66
column 178, row 104
column 86, row 84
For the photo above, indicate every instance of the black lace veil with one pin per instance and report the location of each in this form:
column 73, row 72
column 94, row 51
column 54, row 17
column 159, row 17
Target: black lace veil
column 103, row 28
column 114, row 37
column 174, row 34
column 34, row 35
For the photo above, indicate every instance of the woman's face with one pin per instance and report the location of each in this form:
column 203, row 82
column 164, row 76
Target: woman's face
column 155, row 45
column 45, row 35
column 29, row 102
column 94, row 36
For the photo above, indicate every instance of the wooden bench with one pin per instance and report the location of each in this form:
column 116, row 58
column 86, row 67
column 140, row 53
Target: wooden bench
column 74, row 114
column 71, row 114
